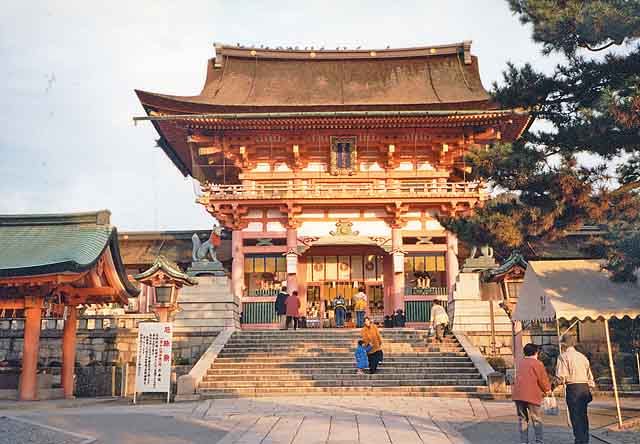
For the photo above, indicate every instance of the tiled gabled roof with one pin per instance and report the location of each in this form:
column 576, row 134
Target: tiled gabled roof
column 251, row 79
column 38, row 244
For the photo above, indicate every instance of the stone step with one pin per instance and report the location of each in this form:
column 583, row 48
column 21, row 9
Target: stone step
column 426, row 391
column 275, row 355
column 347, row 346
column 309, row 362
column 351, row 375
column 345, row 363
column 328, row 333
column 303, row 337
column 290, row 357
column 334, row 371
column 337, row 353
column 344, row 383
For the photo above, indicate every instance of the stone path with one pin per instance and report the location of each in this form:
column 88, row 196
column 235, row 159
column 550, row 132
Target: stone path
column 310, row 420
column 14, row 431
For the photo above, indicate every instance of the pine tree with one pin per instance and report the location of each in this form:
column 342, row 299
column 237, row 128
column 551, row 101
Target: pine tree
column 591, row 103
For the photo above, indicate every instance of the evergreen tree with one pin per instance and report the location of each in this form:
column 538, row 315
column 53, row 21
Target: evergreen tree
column 591, row 103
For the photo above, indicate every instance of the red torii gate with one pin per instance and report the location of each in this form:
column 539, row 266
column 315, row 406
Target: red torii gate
column 58, row 261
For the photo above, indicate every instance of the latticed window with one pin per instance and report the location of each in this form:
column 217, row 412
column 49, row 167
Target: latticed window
column 343, row 155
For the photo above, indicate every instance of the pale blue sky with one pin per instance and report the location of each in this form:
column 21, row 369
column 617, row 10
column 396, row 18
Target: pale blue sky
column 69, row 68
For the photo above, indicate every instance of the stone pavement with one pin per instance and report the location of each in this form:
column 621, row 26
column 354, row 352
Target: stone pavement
column 306, row 420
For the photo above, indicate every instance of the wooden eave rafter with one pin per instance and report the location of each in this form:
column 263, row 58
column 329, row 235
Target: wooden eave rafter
column 40, row 280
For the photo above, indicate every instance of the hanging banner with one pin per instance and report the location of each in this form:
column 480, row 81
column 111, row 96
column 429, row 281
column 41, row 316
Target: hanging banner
column 153, row 366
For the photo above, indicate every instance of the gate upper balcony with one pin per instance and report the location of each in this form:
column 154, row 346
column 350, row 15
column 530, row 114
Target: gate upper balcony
column 318, row 191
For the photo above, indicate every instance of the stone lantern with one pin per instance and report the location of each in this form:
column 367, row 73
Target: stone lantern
column 166, row 280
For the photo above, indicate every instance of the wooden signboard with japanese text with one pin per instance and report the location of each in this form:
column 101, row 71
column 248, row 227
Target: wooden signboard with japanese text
column 153, row 366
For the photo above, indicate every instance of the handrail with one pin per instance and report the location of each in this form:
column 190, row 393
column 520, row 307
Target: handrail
column 323, row 190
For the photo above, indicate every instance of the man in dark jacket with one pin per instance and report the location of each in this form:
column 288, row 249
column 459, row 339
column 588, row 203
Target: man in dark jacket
column 281, row 307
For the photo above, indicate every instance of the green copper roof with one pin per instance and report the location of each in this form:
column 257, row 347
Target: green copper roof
column 172, row 270
column 515, row 259
column 39, row 244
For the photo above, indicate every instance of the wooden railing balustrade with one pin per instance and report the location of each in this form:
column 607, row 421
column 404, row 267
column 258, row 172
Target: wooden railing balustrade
column 344, row 189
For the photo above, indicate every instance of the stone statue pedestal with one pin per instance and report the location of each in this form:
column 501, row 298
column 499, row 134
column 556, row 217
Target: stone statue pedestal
column 479, row 264
column 208, row 306
column 470, row 313
column 211, row 268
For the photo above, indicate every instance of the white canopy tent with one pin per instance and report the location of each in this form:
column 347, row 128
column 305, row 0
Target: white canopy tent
column 576, row 290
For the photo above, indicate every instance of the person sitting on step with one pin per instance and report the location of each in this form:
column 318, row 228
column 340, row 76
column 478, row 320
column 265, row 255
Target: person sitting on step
column 362, row 360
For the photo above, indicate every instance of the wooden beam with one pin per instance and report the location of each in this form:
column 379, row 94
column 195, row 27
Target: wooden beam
column 82, row 292
column 12, row 304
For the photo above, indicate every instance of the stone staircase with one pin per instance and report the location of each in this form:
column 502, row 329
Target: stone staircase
column 321, row 362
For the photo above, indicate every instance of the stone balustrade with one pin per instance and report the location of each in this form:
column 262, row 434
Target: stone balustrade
column 91, row 322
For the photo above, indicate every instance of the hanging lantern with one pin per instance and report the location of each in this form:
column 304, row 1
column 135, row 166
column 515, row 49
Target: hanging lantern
column 398, row 262
column 292, row 263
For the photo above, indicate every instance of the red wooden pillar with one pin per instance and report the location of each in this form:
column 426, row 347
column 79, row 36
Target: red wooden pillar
column 237, row 267
column 452, row 265
column 398, row 277
column 28, row 390
column 69, row 351
column 387, row 275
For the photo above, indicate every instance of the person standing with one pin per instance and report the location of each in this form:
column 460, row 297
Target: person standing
column 527, row 391
column 281, row 307
column 573, row 370
column 360, row 307
column 439, row 319
column 340, row 307
column 293, row 310
column 371, row 336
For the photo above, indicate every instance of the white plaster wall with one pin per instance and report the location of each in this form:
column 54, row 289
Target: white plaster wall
column 254, row 226
column 372, row 228
column 344, row 214
column 254, row 213
column 275, row 226
column 375, row 213
column 365, row 228
column 313, row 228
column 273, row 213
column 425, row 166
column 261, row 168
column 316, row 166
column 413, row 225
column 404, row 166
column 281, row 167
column 311, row 214
column 433, row 225
column 370, row 166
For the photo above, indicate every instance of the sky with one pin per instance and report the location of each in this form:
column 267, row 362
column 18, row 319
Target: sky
column 69, row 69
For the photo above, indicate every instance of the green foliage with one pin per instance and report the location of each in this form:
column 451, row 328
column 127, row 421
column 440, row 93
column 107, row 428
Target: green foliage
column 567, row 25
column 591, row 106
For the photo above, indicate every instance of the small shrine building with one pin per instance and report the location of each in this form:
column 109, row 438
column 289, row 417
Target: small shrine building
column 49, row 266
column 331, row 168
